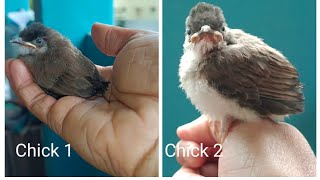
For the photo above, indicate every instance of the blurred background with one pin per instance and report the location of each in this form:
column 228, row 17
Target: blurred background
column 72, row 18
column 287, row 25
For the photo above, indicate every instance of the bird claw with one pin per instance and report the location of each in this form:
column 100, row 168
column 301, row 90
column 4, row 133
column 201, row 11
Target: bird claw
column 221, row 128
column 108, row 93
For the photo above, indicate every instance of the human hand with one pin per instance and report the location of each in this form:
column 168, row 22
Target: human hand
column 120, row 137
column 262, row 148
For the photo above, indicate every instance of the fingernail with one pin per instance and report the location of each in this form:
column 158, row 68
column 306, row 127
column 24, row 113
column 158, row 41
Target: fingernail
column 180, row 129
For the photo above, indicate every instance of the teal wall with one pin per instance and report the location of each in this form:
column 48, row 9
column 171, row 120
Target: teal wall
column 74, row 18
column 287, row 25
column 11, row 5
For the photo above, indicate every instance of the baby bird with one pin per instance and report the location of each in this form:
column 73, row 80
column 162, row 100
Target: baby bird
column 57, row 66
column 231, row 75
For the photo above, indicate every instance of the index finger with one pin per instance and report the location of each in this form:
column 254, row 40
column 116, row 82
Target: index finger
column 44, row 107
column 30, row 93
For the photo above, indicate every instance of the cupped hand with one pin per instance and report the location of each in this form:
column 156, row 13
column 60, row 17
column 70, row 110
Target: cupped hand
column 119, row 137
column 261, row 148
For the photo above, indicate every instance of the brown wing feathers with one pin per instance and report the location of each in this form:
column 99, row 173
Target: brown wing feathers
column 267, row 83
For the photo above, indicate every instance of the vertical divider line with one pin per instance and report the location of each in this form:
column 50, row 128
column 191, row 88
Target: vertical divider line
column 160, row 88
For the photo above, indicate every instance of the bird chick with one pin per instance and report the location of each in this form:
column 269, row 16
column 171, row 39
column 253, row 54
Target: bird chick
column 231, row 75
column 57, row 66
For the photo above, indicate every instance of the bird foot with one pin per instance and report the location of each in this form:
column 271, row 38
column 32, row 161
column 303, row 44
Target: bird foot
column 92, row 98
column 108, row 94
column 221, row 128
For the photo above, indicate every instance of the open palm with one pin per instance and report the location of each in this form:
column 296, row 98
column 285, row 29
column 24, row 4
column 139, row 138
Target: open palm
column 119, row 137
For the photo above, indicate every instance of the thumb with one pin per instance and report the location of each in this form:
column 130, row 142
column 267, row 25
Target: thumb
column 111, row 39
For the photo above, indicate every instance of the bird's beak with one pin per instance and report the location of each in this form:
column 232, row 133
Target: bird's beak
column 23, row 43
column 206, row 33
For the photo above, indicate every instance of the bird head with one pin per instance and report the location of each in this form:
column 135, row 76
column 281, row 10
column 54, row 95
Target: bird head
column 205, row 27
column 33, row 40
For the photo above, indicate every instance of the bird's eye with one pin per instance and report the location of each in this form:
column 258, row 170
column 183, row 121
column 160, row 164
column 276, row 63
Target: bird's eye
column 223, row 29
column 189, row 32
column 39, row 41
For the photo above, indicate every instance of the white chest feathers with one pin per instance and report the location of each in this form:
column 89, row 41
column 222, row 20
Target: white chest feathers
column 205, row 98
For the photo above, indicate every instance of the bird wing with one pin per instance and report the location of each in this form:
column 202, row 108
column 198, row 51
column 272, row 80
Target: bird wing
column 66, row 78
column 259, row 77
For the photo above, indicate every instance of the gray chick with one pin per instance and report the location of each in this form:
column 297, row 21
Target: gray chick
column 57, row 66
column 231, row 75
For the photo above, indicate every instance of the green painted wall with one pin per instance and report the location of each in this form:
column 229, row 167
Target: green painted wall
column 287, row 25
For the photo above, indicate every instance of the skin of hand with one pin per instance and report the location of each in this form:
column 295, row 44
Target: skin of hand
column 261, row 148
column 119, row 137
